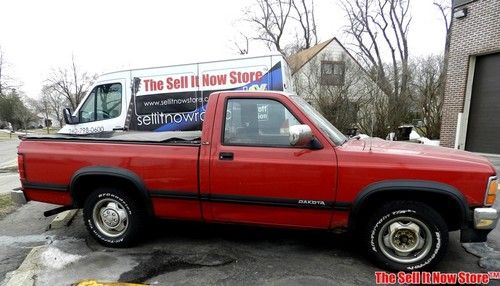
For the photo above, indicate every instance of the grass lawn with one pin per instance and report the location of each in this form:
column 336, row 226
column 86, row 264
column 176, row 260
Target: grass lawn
column 5, row 136
column 6, row 205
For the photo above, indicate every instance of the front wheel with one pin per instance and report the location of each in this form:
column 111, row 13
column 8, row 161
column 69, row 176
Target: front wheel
column 113, row 217
column 406, row 236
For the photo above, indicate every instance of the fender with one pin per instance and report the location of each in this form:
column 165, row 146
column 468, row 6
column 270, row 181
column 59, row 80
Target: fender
column 409, row 185
column 112, row 172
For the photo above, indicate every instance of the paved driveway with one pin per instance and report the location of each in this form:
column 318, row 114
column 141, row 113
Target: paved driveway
column 8, row 152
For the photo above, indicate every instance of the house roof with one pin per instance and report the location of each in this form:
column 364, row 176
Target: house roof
column 298, row 60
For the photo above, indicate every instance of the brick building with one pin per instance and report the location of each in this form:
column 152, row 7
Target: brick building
column 471, row 111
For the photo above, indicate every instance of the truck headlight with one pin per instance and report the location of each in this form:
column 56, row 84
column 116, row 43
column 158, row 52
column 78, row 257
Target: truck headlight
column 491, row 191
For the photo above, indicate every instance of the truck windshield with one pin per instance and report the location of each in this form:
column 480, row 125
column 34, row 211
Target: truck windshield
column 333, row 133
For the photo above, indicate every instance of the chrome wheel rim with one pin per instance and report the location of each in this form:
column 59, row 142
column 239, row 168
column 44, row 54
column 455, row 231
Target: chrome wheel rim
column 110, row 217
column 405, row 239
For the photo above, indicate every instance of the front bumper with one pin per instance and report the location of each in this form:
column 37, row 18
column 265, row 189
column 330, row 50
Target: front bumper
column 18, row 196
column 482, row 222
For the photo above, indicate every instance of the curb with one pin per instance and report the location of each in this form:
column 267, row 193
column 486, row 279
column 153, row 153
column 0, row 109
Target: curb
column 24, row 275
column 63, row 219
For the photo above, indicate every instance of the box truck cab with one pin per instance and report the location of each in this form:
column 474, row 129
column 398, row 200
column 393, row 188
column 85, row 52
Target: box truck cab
column 170, row 98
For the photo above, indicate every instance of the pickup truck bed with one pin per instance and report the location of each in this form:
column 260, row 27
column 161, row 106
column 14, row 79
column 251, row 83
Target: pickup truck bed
column 148, row 156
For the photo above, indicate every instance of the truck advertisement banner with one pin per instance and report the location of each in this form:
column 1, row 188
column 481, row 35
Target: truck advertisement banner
column 177, row 102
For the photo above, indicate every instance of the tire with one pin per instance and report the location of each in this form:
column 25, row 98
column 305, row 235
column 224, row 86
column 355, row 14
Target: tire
column 113, row 217
column 406, row 236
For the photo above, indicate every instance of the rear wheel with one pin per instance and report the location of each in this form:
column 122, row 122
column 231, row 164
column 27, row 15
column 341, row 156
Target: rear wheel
column 406, row 236
column 112, row 217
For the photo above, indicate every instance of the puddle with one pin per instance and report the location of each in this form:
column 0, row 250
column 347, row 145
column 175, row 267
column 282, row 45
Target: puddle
column 161, row 262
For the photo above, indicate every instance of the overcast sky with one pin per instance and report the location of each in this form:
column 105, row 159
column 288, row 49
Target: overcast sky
column 37, row 36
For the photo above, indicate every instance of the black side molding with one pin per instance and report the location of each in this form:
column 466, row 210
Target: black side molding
column 252, row 200
column 45, row 187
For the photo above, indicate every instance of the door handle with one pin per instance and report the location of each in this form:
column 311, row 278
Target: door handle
column 226, row 156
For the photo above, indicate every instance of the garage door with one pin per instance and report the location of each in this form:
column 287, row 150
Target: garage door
column 483, row 132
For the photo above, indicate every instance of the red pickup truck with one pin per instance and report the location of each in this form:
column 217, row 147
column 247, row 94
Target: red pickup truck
column 270, row 159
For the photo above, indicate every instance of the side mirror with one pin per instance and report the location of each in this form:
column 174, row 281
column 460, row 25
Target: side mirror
column 68, row 118
column 300, row 135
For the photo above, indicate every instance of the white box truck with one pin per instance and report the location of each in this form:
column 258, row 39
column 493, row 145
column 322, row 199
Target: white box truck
column 170, row 98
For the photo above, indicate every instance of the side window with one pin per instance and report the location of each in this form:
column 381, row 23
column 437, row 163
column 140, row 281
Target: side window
column 104, row 102
column 257, row 122
column 87, row 111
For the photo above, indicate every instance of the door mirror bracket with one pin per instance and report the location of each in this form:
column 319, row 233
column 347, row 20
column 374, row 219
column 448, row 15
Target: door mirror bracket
column 68, row 118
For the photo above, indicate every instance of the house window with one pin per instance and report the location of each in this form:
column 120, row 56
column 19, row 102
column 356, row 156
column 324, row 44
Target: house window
column 332, row 73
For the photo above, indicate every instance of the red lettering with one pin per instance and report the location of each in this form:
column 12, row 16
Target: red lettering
column 169, row 82
column 194, row 81
column 473, row 278
column 146, row 84
column 382, row 277
column 177, row 83
column 258, row 75
column 444, row 278
column 211, row 80
column 244, row 77
column 152, row 85
column 408, row 278
column 232, row 78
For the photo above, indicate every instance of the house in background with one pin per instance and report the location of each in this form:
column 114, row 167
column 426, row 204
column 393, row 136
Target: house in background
column 472, row 94
column 331, row 79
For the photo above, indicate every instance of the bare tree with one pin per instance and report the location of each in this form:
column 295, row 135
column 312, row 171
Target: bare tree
column 444, row 7
column 43, row 107
column 2, row 85
column 379, row 29
column 304, row 16
column 271, row 20
column 5, row 81
column 277, row 21
column 71, row 83
column 55, row 102
column 242, row 49
column 428, row 93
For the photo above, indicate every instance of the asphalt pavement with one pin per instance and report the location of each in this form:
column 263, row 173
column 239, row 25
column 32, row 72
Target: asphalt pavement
column 8, row 159
column 8, row 152
column 188, row 253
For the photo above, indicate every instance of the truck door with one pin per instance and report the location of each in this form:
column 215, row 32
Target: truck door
column 257, row 177
column 104, row 109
